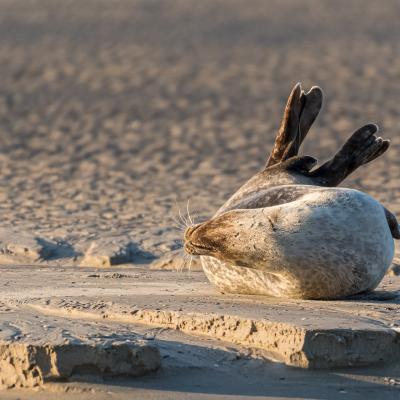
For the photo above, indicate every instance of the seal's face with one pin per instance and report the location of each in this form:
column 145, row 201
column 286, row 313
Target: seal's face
column 206, row 239
column 231, row 237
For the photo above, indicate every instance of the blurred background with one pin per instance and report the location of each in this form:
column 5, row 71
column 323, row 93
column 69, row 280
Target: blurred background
column 112, row 111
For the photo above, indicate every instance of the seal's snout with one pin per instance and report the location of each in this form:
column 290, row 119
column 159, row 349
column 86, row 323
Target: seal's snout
column 189, row 231
column 193, row 241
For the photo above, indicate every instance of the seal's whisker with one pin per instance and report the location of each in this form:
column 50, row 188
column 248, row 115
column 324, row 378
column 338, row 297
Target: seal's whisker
column 180, row 228
column 184, row 220
column 193, row 217
column 188, row 213
column 190, row 263
column 179, row 223
column 180, row 219
column 185, row 261
column 176, row 221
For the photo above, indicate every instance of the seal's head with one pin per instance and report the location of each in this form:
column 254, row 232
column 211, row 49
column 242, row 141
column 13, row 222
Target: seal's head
column 233, row 237
column 208, row 238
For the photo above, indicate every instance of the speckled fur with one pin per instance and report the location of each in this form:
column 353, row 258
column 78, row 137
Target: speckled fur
column 326, row 243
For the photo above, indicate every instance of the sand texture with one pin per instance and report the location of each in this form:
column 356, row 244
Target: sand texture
column 101, row 331
column 110, row 112
column 114, row 114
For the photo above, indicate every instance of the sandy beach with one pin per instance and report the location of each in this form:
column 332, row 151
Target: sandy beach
column 189, row 341
column 111, row 112
column 116, row 114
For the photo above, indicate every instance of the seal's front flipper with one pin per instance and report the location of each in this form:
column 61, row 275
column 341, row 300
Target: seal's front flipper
column 300, row 112
column 362, row 147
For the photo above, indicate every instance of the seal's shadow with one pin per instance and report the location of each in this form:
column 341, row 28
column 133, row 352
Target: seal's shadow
column 392, row 297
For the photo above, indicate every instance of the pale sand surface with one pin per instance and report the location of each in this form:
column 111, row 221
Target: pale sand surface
column 200, row 362
column 112, row 111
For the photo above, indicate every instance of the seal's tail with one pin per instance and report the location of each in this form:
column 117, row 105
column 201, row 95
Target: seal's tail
column 361, row 148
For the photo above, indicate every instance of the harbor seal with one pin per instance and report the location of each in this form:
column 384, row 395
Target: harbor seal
column 319, row 243
column 287, row 233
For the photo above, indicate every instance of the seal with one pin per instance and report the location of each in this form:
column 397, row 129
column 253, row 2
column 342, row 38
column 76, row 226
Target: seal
column 286, row 232
column 301, row 246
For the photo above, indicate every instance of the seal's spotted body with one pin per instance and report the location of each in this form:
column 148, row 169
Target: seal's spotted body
column 286, row 233
column 328, row 243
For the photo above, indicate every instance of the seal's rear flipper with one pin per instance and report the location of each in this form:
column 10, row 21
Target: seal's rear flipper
column 300, row 112
column 393, row 224
column 362, row 147
column 374, row 295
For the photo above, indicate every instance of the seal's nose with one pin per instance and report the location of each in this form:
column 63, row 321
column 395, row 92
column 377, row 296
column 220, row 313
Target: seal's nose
column 189, row 231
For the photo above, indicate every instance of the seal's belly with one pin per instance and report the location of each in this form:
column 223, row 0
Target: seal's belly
column 306, row 248
column 229, row 278
column 315, row 284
